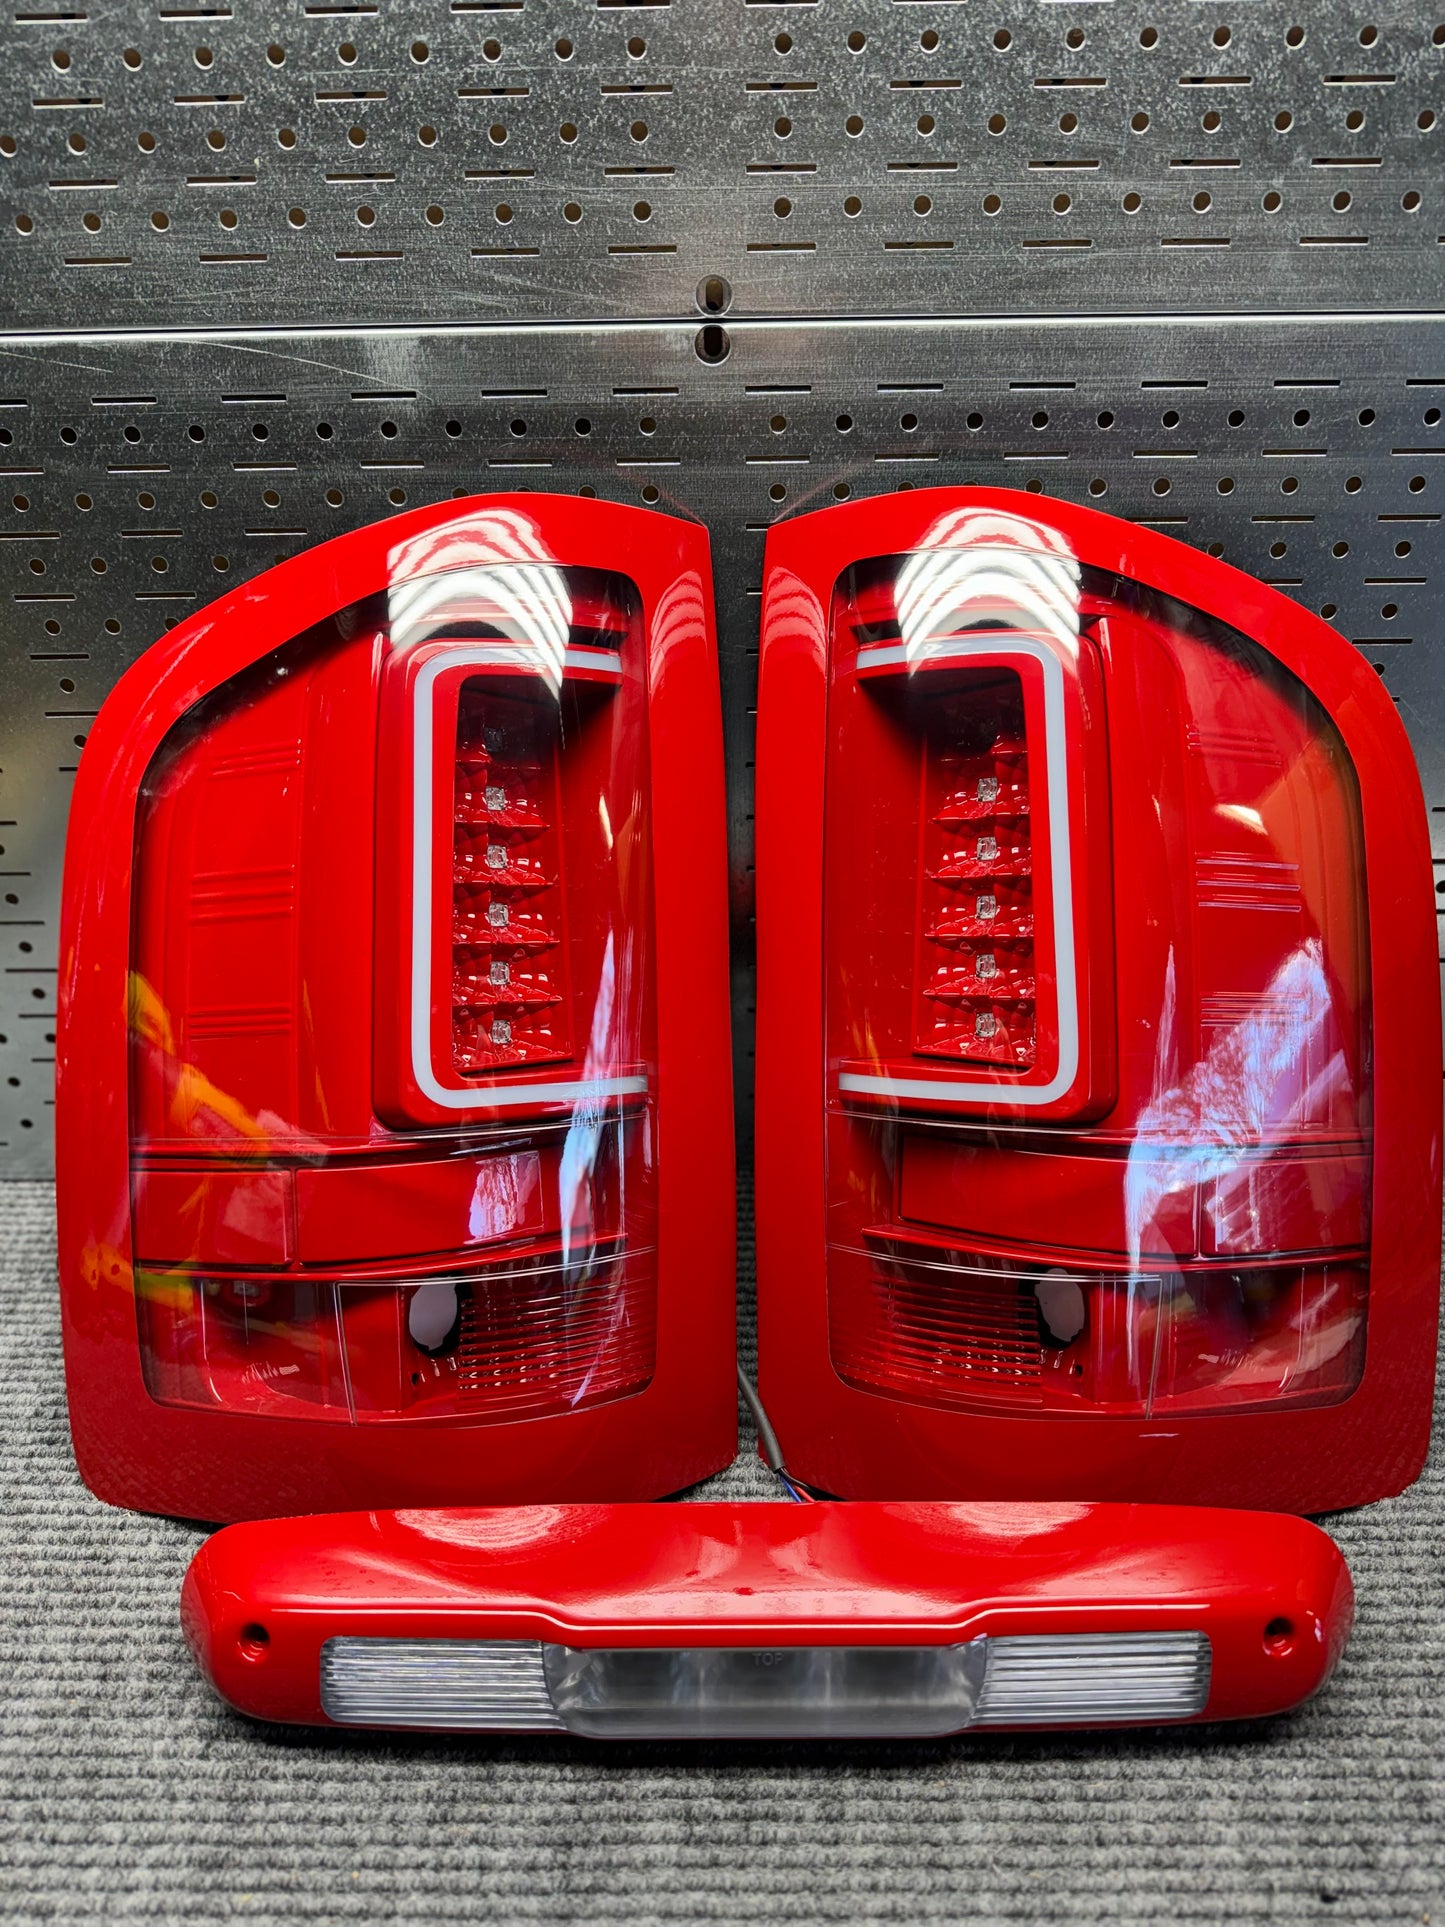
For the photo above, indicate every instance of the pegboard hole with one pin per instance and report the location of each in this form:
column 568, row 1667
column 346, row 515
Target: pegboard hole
column 209, row 498
column 1403, row 548
column 1431, row 417
column 1389, row 611
column 853, row 125
column 1273, row 201
column 925, row 124
column 1225, row 485
column 131, row 433
column 922, row 204
column 1139, row 122
column 60, row 59
column 502, row 212
column 1235, row 418
column 132, row 58
column 711, row 344
column 651, row 492
column 1283, row 120
column 1410, row 201
column 1277, row 549
column 517, row 425
column 783, row 43
column 564, row 49
column 1294, row 37
column 1062, row 203
column 388, row 429
column 908, row 423
column 1212, row 121
column 296, row 216
column 1098, row 486
column 572, row 212
column 271, row 498
column 777, row 493
column 1074, row 38
column 638, row 130
column 778, row 424
column 648, row 425
column 582, row 426
column 1301, row 417
column 1203, row 202
column 1040, row 418
column 366, row 216
column 396, row 496
column 145, row 141
column 276, row 54
column 714, row 294
column 928, row 40
column 1290, row 485
column 1149, row 37
column 1132, row 202
column 1340, row 201
column 841, row 491
column 1003, row 39
column 1340, row 549
column 991, row 203
column 1105, row 418
column 844, row 424
column 203, row 56
column 1068, row 123
column 427, row 136
column 1221, row 36
column 637, row 46
column 334, row 498
column 782, row 207
column 974, row 421
column 568, row 131
column 420, row 51
column 454, row 427
column 782, row 127
column 1161, row 485
column 997, row 123
column 1170, row 418
column 435, row 215
column 852, row 206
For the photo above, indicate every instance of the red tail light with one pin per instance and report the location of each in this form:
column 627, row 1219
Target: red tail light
column 407, row 861
column 694, row 1621
column 1125, row 1049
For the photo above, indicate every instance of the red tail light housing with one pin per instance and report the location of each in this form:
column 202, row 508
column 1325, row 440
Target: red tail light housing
column 394, row 1091
column 1099, row 1075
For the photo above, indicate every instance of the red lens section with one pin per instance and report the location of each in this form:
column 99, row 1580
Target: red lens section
column 487, row 1249
column 1141, row 1188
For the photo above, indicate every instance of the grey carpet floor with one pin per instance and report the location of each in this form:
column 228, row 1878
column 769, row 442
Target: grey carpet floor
column 127, row 1791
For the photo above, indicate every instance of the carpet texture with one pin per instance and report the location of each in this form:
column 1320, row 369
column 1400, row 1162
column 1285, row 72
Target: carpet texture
column 127, row 1791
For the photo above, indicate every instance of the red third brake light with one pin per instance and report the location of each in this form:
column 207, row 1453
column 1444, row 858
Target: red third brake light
column 692, row 1621
column 407, row 864
column 1126, row 1046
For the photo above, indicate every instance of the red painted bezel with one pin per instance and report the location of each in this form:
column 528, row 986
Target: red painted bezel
column 865, row 1445
column 223, row 1465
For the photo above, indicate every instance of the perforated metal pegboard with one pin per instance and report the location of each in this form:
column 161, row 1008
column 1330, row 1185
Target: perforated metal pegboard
column 219, row 165
column 141, row 476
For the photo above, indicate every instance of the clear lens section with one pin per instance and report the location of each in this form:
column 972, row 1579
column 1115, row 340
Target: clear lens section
column 1064, row 1679
column 1194, row 1237
column 740, row 1692
column 312, row 1237
column 764, row 1693
column 470, row 1685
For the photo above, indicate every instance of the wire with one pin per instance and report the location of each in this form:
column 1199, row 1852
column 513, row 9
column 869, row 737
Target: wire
column 768, row 1439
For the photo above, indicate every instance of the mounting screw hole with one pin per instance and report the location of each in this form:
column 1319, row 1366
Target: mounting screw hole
column 1279, row 1637
column 254, row 1640
column 712, row 344
column 714, row 296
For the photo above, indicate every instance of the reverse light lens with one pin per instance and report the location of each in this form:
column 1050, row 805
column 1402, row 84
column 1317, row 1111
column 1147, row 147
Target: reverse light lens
column 743, row 1692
